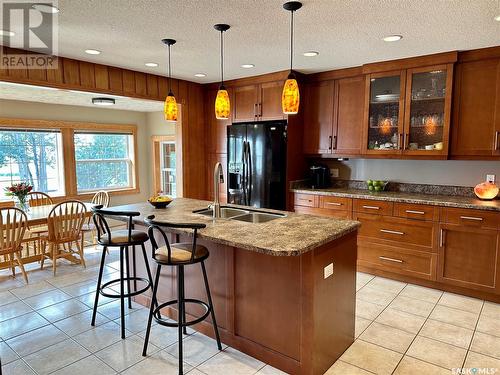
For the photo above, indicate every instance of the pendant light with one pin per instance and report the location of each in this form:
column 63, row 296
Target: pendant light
column 290, row 98
column 222, row 104
column 170, row 108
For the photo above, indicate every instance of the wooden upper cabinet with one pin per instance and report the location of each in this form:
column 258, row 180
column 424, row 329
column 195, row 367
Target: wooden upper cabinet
column 476, row 109
column 469, row 257
column 245, row 103
column 318, row 117
column 259, row 102
column 428, row 110
column 348, row 115
column 384, row 112
column 270, row 101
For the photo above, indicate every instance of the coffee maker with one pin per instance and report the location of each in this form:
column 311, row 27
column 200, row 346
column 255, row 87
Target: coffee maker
column 319, row 176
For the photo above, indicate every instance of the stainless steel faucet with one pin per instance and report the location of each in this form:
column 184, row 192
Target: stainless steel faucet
column 218, row 178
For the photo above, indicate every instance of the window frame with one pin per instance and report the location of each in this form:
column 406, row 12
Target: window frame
column 156, row 141
column 67, row 130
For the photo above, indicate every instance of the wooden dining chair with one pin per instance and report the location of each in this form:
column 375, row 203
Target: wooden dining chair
column 64, row 224
column 13, row 224
column 101, row 198
column 38, row 198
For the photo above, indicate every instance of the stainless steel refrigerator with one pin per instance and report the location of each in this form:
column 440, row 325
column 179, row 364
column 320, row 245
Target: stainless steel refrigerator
column 256, row 164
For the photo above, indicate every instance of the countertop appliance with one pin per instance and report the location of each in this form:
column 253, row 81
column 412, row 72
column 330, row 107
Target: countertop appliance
column 256, row 164
column 319, row 176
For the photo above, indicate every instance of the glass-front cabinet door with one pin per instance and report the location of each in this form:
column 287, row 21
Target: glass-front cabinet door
column 427, row 115
column 385, row 112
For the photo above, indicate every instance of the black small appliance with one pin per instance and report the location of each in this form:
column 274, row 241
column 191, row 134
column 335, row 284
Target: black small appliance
column 319, row 176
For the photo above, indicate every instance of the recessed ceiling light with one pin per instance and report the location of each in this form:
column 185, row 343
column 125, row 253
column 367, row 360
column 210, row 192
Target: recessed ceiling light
column 311, row 53
column 200, row 75
column 93, row 51
column 45, row 8
column 103, row 101
column 392, row 38
column 497, row 18
column 248, row 66
column 7, row 33
column 151, row 64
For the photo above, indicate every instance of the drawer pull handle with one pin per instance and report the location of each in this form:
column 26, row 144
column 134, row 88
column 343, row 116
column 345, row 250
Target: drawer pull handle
column 391, row 259
column 471, row 218
column 372, row 207
column 305, row 200
column 333, row 203
column 441, row 238
column 392, row 232
column 415, row 212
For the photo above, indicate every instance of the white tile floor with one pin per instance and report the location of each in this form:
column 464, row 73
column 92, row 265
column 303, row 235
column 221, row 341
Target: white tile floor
column 400, row 329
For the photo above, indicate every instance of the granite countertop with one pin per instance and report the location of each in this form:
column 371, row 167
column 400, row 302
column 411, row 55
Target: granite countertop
column 392, row 196
column 292, row 235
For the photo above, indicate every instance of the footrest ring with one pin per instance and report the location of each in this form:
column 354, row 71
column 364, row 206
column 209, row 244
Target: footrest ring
column 166, row 323
column 125, row 279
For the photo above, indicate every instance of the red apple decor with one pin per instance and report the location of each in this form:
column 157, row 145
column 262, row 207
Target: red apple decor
column 486, row 190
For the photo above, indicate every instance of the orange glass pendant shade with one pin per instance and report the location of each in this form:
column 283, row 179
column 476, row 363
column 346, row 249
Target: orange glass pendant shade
column 170, row 108
column 486, row 190
column 222, row 104
column 290, row 99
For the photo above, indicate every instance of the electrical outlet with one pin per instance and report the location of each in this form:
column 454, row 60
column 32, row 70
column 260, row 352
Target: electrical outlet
column 490, row 178
column 328, row 271
column 334, row 172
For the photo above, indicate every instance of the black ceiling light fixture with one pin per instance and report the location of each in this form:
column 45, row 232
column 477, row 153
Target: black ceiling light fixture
column 170, row 109
column 222, row 103
column 103, row 101
column 290, row 99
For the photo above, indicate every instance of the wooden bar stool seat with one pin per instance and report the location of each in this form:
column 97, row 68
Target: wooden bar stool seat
column 178, row 255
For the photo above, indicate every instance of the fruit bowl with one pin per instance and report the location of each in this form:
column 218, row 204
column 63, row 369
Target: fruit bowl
column 376, row 185
column 160, row 201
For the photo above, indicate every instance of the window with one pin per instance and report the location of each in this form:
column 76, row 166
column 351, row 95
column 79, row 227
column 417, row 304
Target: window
column 168, row 185
column 69, row 159
column 103, row 161
column 33, row 156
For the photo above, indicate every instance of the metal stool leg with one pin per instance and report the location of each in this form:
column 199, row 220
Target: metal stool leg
column 127, row 267
column 212, row 312
column 150, row 277
column 151, row 308
column 99, row 279
column 122, row 292
column 181, row 312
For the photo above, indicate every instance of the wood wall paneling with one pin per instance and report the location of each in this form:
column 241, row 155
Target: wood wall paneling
column 115, row 79
column 152, row 86
column 101, row 77
column 140, row 84
column 129, row 82
column 71, row 72
column 87, row 74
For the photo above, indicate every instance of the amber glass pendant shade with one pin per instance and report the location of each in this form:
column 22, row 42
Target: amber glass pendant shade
column 290, row 99
column 170, row 108
column 222, row 104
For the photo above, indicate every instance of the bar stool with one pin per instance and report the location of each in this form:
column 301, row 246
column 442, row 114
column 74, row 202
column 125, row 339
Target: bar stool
column 178, row 255
column 122, row 239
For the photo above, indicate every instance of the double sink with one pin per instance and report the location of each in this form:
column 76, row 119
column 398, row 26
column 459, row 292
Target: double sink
column 241, row 214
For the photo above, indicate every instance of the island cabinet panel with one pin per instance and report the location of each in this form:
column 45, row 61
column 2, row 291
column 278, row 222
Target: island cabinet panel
column 318, row 117
column 282, row 310
column 476, row 109
column 469, row 257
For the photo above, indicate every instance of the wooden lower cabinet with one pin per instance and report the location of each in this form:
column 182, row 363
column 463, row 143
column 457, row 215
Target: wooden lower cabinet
column 469, row 257
column 397, row 260
column 453, row 249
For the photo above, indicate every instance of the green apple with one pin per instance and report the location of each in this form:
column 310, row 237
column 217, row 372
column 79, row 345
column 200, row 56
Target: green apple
column 378, row 188
column 370, row 187
column 369, row 182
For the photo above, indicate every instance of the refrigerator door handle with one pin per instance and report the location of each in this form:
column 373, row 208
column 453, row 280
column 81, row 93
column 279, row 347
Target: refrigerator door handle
column 249, row 171
column 244, row 176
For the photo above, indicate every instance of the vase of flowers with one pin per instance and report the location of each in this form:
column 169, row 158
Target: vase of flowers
column 19, row 192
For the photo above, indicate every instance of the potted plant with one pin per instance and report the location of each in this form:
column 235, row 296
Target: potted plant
column 20, row 193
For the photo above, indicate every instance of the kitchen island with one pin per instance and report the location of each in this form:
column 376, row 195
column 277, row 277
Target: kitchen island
column 283, row 290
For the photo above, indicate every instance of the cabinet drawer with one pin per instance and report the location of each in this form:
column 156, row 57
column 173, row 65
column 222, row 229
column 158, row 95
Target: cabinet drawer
column 400, row 261
column 373, row 207
column 468, row 217
column 417, row 235
column 416, row 211
column 306, row 200
column 341, row 214
column 335, row 203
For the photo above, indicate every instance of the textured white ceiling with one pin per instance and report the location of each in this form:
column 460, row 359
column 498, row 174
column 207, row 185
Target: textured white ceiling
column 345, row 32
column 79, row 98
